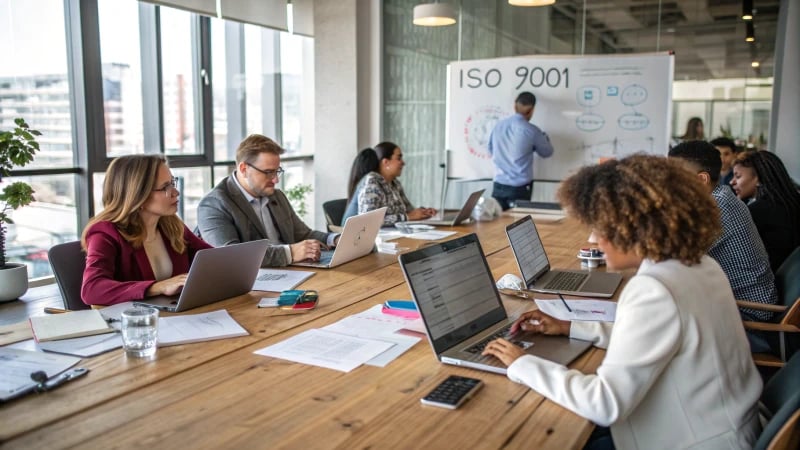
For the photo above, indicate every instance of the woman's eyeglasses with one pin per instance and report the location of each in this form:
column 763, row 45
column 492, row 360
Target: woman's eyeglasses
column 169, row 188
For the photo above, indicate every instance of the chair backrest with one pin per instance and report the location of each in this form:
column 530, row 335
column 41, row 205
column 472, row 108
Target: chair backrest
column 780, row 404
column 787, row 279
column 68, row 261
column 334, row 210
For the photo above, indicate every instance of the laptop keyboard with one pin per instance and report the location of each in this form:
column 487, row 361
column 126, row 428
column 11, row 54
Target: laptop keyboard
column 566, row 281
column 478, row 348
column 326, row 256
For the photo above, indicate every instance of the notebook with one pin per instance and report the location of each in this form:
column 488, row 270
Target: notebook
column 454, row 218
column 215, row 274
column 534, row 266
column 357, row 240
column 69, row 325
column 462, row 310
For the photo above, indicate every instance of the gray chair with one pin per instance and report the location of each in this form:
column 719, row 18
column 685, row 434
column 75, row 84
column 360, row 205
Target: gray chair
column 68, row 261
column 334, row 211
column 780, row 406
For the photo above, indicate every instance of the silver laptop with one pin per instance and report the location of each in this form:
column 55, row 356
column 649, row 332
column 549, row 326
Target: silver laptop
column 462, row 310
column 453, row 218
column 357, row 240
column 215, row 274
column 535, row 267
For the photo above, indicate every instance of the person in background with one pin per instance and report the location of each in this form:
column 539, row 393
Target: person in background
column 738, row 249
column 380, row 186
column 246, row 206
column 761, row 177
column 366, row 161
column 677, row 372
column 137, row 246
column 512, row 143
column 727, row 152
column 694, row 130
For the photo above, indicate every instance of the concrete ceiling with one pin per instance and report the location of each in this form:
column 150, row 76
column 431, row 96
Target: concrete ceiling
column 707, row 36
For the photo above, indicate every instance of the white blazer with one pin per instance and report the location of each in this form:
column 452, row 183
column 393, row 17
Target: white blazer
column 677, row 372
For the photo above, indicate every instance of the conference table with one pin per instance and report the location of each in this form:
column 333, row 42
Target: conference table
column 219, row 394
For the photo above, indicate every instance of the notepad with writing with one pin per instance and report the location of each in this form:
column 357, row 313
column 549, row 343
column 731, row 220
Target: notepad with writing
column 69, row 325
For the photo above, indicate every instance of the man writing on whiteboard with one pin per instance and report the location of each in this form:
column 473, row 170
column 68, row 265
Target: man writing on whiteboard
column 512, row 144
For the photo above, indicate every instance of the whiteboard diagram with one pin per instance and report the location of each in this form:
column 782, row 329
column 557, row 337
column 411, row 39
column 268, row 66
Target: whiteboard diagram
column 591, row 107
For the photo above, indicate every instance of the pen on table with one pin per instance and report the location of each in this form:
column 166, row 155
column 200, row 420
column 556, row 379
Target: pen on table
column 564, row 302
column 49, row 310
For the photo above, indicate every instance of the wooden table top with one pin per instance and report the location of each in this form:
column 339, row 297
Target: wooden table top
column 221, row 394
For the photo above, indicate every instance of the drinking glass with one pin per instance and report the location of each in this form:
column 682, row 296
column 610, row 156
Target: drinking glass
column 140, row 331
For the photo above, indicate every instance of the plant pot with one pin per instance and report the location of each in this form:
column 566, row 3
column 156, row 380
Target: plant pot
column 13, row 281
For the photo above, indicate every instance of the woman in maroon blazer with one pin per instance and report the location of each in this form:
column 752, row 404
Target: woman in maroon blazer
column 137, row 246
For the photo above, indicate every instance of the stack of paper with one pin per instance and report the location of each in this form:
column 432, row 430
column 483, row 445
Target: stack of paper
column 17, row 365
column 277, row 280
column 69, row 325
column 187, row 329
column 582, row 309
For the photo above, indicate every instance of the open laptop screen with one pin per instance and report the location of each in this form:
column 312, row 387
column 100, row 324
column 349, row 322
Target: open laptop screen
column 528, row 249
column 454, row 290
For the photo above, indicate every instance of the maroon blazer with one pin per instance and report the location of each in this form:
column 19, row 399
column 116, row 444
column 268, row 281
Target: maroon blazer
column 116, row 272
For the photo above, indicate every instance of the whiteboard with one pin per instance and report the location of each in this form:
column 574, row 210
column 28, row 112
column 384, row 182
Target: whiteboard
column 591, row 107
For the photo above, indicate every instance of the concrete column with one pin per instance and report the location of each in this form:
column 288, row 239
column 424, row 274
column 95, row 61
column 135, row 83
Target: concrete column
column 346, row 90
column 784, row 134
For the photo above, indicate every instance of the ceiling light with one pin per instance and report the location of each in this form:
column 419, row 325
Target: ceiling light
column 751, row 32
column 434, row 14
column 531, row 2
column 755, row 64
column 747, row 9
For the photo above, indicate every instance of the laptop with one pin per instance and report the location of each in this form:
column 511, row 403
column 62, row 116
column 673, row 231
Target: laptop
column 215, row 274
column 535, row 267
column 453, row 218
column 357, row 240
column 458, row 301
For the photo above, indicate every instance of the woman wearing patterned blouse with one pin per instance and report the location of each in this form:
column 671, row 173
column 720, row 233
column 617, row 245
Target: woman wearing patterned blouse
column 380, row 187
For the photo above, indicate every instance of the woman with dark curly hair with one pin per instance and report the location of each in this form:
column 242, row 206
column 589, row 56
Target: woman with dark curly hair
column 677, row 371
column 774, row 202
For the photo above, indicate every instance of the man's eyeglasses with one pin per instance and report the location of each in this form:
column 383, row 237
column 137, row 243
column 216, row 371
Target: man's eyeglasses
column 169, row 188
column 269, row 173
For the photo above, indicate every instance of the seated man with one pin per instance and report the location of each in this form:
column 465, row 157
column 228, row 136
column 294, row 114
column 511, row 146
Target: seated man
column 245, row 206
column 727, row 152
column 739, row 249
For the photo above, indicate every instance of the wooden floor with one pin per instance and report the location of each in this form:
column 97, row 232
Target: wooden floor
column 220, row 395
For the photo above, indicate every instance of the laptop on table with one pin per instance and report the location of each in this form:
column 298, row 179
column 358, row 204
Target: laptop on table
column 215, row 274
column 536, row 271
column 357, row 240
column 453, row 218
column 462, row 310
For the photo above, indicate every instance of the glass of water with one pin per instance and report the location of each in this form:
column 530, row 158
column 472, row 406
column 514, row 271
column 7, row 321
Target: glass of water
column 140, row 331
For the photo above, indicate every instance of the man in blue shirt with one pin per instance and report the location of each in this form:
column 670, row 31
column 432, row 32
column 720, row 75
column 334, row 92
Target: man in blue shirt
column 512, row 144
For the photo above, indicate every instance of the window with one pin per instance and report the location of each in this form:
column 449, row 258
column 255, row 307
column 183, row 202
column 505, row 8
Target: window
column 120, row 55
column 179, row 119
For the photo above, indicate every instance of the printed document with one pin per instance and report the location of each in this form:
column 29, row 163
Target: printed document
column 16, row 367
column 277, row 280
column 186, row 329
column 326, row 349
column 582, row 309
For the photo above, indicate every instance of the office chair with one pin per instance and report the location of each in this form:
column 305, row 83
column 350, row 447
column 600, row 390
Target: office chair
column 334, row 211
column 786, row 318
column 68, row 261
column 780, row 406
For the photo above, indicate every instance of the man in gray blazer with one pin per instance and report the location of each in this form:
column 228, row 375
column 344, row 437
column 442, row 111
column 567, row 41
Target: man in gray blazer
column 246, row 206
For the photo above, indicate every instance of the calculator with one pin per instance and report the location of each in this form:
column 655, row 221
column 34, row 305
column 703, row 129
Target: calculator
column 452, row 392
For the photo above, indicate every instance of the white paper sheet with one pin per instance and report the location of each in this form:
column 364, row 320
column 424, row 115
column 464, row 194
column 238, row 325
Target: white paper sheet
column 373, row 324
column 197, row 328
column 84, row 346
column 326, row 349
column 277, row 280
column 434, row 235
column 17, row 365
column 583, row 309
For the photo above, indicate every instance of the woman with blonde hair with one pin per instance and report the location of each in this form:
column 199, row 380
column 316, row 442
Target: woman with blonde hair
column 677, row 372
column 137, row 246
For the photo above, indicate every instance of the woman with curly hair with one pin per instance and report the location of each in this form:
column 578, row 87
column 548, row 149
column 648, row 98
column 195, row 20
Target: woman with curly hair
column 774, row 202
column 137, row 246
column 677, row 371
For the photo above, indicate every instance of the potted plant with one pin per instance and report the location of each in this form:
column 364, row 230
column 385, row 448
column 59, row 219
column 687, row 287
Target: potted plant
column 17, row 148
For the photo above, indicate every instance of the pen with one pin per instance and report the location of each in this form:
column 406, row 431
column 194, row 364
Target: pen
column 49, row 310
column 564, row 302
